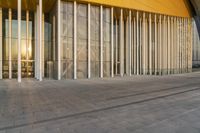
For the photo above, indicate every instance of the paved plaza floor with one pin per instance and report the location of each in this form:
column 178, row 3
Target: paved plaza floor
column 137, row 104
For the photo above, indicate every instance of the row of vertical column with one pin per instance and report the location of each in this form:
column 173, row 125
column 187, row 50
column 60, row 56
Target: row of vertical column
column 158, row 44
column 145, row 43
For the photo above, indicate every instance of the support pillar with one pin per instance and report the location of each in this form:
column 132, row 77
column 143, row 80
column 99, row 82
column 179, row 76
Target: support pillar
column 135, row 47
column 19, row 40
column 75, row 41
column 27, row 39
column 156, row 45
column 150, row 45
column 54, row 39
column 130, row 44
column 43, row 43
column 1, row 37
column 168, row 46
column 140, row 46
column 121, row 43
column 137, row 44
column 101, row 41
column 178, row 45
column 144, row 44
column 116, row 47
column 40, row 40
column 10, row 42
column 89, row 58
column 172, row 45
column 112, row 42
column 164, row 48
column 36, row 41
column 160, row 45
column 59, row 39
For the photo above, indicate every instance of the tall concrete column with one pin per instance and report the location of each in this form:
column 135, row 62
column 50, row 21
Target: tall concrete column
column 35, row 36
column 187, row 47
column 184, row 47
column 1, row 37
column 126, row 48
column 19, row 40
column 160, row 44
column 175, row 46
column 130, row 43
column 179, row 57
column 135, row 47
column 121, row 43
column 168, row 46
column 150, row 44
column 89, row 32
column 75, row 40
column 101, row 41
column 172, row 45
column 43, row 43
column 140, row 45
column 10, row 42
column 181, row 45
column 40, row 40
column 156, row 44
column 54, row 38
column 59, row 39
column 185, row 44
column 144, row 43
column 190, row 45
column 116, row 46
column 137, row 44
column 186, row 26
column 27, row 39
column 112, row 43
column 164, row 45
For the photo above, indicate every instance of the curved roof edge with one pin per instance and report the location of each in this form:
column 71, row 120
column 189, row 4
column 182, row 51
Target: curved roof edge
column 180, row 8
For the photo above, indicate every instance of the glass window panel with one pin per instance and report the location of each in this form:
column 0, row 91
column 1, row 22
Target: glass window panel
column 14, row 29
column 6, row 28
column 23, row 29
column 23, row 49
column 14, row 49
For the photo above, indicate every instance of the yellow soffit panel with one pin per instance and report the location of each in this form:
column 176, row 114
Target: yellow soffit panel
column 168, row 7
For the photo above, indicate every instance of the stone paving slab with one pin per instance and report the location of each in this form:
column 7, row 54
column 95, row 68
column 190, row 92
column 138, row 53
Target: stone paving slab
column 153, row 104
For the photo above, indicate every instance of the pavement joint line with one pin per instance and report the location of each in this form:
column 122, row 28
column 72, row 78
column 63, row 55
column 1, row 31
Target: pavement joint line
column 150, row 92
column 96, row 110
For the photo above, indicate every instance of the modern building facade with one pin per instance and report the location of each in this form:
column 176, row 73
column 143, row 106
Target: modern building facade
column 74, row 39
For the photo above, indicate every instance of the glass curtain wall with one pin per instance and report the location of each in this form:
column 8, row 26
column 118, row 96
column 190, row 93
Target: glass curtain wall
column 48, row 48
column 27, row 44
column 67, row 30
column 51, row 49
column 5, row 51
